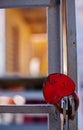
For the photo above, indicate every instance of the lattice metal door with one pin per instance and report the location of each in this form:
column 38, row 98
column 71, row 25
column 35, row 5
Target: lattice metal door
column 54, row 53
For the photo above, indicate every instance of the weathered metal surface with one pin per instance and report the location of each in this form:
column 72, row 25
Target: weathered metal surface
column 40, row 108
column 53, row 27
column 72, row 50
column 53, row 23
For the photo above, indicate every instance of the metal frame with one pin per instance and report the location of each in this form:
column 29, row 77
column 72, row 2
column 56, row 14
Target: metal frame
column 71, row 47
column 53, row 122
column 53, row 14
column 72, row 50
column 53, row 23
column 26, row 3
column 54, row 53
column 23, row 3
column 41, row 108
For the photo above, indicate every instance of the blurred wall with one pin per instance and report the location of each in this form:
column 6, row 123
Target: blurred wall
column 17, row 42
column 22, row 45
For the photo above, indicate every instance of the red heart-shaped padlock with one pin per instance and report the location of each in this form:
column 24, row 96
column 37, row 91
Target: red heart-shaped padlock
column 57, row 86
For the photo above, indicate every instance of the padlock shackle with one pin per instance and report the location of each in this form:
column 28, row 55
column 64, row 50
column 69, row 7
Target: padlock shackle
column 68, row 112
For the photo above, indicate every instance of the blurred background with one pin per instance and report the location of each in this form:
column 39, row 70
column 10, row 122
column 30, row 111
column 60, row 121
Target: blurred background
column 79, row 29
column 24, row 63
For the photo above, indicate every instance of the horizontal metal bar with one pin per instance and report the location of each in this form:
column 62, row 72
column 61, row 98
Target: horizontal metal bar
column 23, row 3
column 40, row 108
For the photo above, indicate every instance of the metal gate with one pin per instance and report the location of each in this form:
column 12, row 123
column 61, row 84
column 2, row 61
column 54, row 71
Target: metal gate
column 54, row 23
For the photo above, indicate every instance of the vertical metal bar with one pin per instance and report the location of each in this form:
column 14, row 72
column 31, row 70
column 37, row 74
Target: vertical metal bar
column 54, row 121
column 54, row 38
column 54, row 52
column 71, row 39
column 72, row 54
column 63, row 36
column 64, row 60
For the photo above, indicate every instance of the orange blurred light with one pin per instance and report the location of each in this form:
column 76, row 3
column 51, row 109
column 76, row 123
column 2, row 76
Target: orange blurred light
column 4, row 100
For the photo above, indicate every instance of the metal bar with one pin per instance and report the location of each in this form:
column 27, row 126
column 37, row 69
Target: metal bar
column 63, row 36
column 72, row 50
column 23, row 3
column 54, row 39
column 53, row 23
column 54, row 121
column 64, row 56
column 71, row 40
column 40, row 108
